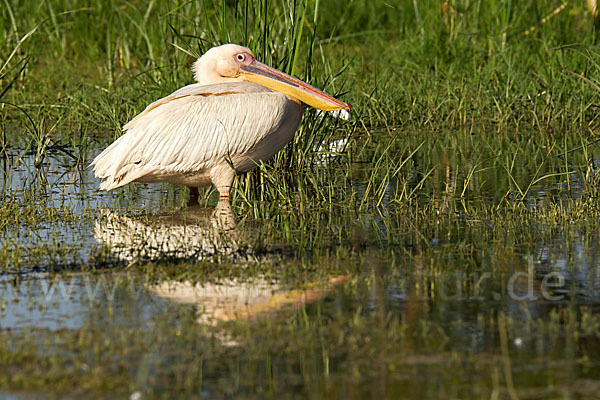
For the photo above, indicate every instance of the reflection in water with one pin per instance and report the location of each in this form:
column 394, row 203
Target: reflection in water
column 54, row 303
column 60, row 199
column 426, row 284
column 232, row 299
column 573, row 262
column 192, row 233
column 197, row 233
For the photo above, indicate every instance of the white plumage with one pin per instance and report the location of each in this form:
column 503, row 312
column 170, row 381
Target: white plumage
column 184, row 137
column 207, row 132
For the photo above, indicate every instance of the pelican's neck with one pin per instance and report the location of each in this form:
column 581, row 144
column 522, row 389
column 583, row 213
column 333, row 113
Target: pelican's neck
column 295, row 100
column 205, row 73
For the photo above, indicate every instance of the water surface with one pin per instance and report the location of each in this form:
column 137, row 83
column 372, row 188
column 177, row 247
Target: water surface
column 209, row 301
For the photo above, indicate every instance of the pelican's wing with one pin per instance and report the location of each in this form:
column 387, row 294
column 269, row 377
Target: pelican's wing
column 221, row 89
column 194, row 128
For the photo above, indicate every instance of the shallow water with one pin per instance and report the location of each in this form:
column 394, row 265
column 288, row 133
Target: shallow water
column 161, row 298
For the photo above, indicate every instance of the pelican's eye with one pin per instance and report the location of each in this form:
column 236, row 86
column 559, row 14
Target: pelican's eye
column 243, row 58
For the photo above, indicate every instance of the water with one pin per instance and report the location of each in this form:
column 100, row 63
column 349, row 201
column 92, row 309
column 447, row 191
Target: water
column 160, row 298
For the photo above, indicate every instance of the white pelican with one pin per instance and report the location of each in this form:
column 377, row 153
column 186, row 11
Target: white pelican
column 240, row 112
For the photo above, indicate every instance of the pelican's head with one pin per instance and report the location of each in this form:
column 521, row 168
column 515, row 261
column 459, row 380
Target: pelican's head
column 231, row 63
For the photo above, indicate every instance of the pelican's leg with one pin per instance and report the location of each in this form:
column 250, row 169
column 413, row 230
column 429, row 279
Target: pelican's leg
column 193, row 196
column 222, row 177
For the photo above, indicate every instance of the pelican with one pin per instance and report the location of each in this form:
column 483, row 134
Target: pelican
column 239, row 112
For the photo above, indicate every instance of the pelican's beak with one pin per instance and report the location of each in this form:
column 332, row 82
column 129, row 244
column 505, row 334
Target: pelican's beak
column 262, row 74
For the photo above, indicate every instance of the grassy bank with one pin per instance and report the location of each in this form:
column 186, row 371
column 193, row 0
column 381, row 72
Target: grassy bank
column 469, row 84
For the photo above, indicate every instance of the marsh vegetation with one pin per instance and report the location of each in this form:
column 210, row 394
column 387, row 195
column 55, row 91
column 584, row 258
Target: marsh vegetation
column 442, row 243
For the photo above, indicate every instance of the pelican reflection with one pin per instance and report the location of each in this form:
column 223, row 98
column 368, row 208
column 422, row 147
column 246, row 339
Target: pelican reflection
column 235, row 299
column 198, row 233
column 192, row 233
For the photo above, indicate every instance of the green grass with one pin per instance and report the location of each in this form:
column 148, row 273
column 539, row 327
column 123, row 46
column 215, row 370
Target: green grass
column 473, row 148
column 470, row 85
